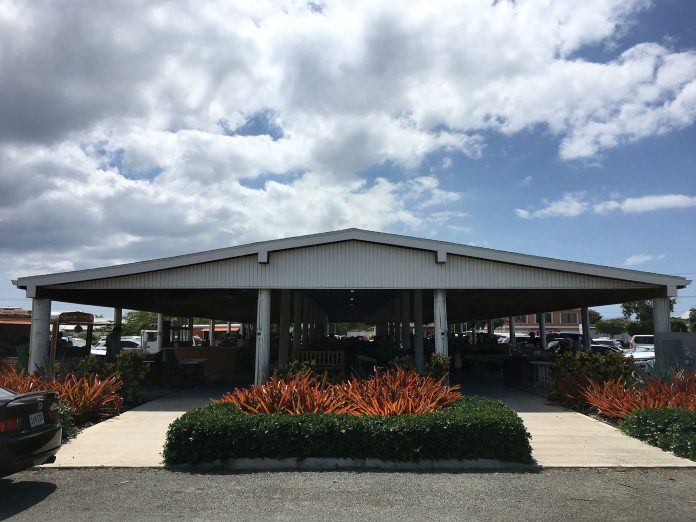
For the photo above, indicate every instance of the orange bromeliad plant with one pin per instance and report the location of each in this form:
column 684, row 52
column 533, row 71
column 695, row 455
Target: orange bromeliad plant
column 614, row 399
column 394, row 392
column 90, row 396
column 397, row 392
column 303, row 393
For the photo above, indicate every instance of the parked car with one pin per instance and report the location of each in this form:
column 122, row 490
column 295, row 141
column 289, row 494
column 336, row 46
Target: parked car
column 519, row 339
column 127, row 343
column 30, row 431
column 643, row 341
column 609, row 342
column 605, row 348
column 643, row 355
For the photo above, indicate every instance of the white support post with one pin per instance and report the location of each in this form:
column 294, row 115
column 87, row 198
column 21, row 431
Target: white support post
column 397, row 321
column 380, row 327
column 542, row 330
column 39, row 337
column 406, row 320
column 160, row 332
column 284, row 326
column 312, row 322
column 440, row 313
column 513, row 338
column 263, row 336
column 586, row 339
column 296, row 320
column 661, row 315
column 305, row 322
column 418, row 334
column 118, row 317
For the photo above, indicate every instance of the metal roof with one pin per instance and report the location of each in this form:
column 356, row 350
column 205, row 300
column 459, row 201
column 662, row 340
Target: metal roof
column 264, row 251
column 353, row 275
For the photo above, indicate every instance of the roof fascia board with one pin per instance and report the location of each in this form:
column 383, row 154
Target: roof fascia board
column 441, row 248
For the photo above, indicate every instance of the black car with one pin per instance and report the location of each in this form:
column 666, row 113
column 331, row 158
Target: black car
column 30, row 431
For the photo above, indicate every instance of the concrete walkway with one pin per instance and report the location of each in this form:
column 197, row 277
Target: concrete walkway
column 560, row 438
column 134, row 438
column 563, row 438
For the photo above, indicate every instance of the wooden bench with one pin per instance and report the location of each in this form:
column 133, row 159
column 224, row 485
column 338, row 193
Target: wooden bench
column 331, row 361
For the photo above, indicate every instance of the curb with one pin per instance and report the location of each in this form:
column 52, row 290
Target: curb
column 342, row 464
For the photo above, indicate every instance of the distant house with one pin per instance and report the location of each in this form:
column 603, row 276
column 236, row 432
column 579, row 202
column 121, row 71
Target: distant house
column 559, row 321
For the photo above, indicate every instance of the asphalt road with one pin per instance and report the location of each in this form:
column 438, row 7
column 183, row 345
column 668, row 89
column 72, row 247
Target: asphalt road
column 150, row 494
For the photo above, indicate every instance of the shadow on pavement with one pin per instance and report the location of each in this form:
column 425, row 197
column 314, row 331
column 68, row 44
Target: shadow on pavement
column 16, row 497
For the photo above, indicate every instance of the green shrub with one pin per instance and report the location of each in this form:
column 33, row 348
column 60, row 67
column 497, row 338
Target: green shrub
column 67, row 421
column 571, row 373
column 438, row 366
column 670, row 429
column 405, row 362
column 291, row 369
column 129, row 366
column 473, row 428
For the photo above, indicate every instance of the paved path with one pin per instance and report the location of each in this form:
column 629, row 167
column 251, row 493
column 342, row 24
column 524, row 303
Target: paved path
column 564, row 438
column 560, row 438
column 134, row 438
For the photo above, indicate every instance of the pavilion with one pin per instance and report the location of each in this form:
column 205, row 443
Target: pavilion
column 304, row 283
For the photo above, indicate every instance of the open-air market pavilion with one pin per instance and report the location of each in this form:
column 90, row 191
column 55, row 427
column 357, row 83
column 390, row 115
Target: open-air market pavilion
column 304, row 283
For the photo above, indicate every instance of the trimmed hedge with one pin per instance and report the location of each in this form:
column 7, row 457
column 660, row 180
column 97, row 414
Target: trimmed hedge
column 473, row 428
column 670, row 429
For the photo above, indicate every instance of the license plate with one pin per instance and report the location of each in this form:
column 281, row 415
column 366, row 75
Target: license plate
column 36, row 419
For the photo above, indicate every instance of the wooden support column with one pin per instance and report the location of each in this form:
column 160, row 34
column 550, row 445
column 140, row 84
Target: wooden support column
column 586, row 339
column 542, row 330
column 305, row 322
column 160, row 332
column 513, row 337
column 284, row 326
column 211, row 332
column 418, row 334
column 397, row 321
column 491, row 327
column 39, row 336
column 440, row 313
column 296, row 320
column 263, row 336
column 406, row 320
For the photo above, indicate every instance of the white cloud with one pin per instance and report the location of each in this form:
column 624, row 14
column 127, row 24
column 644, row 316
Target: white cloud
column 526, row 181
column 125, row 127
column 649, row 203
column 639, row 259
column 570, row 205
column 575, row 204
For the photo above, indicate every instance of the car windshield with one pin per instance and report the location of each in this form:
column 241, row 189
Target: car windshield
column 644, row 349
column 643, row 340
column 6, row 394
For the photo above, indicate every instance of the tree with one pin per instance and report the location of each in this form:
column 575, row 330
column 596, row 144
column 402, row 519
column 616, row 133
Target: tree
column 692, row 320
column 133, row 322
column 594, row 316
column 678, row 324
column 643, row 312
column 611, row 327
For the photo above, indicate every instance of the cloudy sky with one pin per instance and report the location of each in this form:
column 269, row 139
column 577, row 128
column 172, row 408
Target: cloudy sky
column 133, row 130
